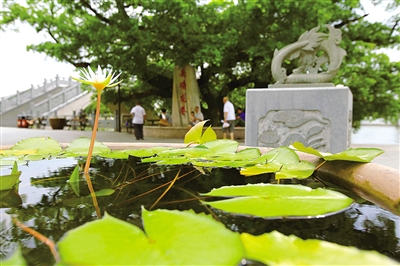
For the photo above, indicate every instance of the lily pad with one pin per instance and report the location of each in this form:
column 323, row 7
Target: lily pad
column 276, row 201
column 80, row 147
column 41, row 145
column 363, row 155
column 111, row 241
column 277, row 249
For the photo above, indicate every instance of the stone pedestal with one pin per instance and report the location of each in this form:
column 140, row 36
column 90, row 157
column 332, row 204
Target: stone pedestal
column 318, row 116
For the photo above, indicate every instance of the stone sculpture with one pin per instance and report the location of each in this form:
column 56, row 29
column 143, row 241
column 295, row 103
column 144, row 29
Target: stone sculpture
column 319, row 57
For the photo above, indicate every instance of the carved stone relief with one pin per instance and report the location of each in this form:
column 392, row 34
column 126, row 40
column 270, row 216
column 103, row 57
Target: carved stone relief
column 283, row 127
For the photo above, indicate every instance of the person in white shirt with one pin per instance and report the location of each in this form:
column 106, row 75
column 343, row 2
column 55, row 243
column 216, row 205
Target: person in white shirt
column 229, row 118
column 139, row 117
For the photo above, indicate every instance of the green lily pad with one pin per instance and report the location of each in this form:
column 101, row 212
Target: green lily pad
column 222, row 146
column 116, row 154
column 80, row 147
column 363, row 155
column 142, row 153
column 300, row 170
column 276, row 201
column 277, row 249
column 41, row 145
column 111, row 241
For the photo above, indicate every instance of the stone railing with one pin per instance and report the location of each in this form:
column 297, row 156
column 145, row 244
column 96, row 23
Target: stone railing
column 9, row 102
column 49, row 106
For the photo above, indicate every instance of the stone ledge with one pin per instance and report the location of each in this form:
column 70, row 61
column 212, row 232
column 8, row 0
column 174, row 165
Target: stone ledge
column 179, row 132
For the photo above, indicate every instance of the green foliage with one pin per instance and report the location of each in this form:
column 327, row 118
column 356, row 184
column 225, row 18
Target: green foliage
column 8, row 182
column 264, row 249
column 196, row 135
column 74, row 181
column 112, row 241
column 362, row 155
column 169, row 239
column 279, row 201
column 230, row 43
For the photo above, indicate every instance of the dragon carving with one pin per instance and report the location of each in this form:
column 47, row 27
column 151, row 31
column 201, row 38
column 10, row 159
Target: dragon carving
column 314, row 51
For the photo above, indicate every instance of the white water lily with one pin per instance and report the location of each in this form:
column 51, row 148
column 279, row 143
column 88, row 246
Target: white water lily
column 99, row 79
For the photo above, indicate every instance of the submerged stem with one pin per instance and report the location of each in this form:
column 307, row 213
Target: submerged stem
column 168, row 188
column 40, row 237
column 94, row 198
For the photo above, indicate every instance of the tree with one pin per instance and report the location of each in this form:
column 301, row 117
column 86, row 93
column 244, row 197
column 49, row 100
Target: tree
column 231, row 44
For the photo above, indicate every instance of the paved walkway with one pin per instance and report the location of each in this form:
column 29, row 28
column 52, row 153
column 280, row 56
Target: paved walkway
column 11, row 135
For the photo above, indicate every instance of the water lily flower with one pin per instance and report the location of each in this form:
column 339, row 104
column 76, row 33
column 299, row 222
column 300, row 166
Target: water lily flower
column 100, row 80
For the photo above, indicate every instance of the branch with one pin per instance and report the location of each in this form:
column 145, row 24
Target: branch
column 99, row 16
column 345, row 22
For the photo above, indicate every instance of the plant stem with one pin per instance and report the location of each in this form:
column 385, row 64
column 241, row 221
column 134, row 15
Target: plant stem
column 95, row 203
column 89, row 156
column 40, row 237
column 92, row 140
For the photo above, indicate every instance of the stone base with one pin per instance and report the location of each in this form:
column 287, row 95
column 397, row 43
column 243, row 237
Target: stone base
column 319, row 117
column 180, row 132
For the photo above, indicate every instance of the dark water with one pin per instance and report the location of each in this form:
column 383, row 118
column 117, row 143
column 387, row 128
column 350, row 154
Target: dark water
column 50, row 206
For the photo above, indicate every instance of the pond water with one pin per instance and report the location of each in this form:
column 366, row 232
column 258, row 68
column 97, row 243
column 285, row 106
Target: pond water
column 51, row 207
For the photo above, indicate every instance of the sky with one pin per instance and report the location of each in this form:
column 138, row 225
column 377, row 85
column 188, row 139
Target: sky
column 19, row 69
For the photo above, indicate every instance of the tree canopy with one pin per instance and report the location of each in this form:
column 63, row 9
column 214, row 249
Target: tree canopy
column 230, row 43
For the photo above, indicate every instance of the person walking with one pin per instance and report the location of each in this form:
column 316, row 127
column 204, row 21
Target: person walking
column 139, row 117
column 229, row 118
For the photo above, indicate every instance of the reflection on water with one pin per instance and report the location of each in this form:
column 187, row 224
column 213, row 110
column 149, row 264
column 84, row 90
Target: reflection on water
column 51, row 207
column 376, row 134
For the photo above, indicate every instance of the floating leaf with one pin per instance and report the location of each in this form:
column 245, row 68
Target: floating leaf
column 300, row 147
column 364, row 155
column 110, row 241
column 116, row 154
column 300, row 170
column 142, row 153
column 260, row 169
column 275, row 201
column 222, row 146
column 80, row 147
column 37, row 148
column 277, row 249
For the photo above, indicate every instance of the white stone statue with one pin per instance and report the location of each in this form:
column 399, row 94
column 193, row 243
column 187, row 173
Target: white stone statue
column 319, row 57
